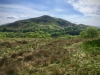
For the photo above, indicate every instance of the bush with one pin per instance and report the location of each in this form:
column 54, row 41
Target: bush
column 90, row 32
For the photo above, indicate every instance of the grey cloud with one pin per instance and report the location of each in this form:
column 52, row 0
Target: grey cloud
column 10, row 17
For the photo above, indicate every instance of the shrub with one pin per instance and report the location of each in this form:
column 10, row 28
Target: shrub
column 90, row 32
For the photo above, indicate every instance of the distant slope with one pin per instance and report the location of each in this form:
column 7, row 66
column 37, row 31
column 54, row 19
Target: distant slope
column 44, row 23
column 97, row 27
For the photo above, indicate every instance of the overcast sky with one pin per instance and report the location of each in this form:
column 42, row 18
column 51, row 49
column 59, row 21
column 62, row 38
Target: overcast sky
column 76, row 11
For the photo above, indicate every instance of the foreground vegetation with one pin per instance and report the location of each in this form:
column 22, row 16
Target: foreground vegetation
column 49, row 56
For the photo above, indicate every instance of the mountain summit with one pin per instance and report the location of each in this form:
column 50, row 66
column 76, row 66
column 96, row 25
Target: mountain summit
column 47, row 20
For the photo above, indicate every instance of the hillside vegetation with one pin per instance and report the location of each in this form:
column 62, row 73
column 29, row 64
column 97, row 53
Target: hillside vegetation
column 47, row 24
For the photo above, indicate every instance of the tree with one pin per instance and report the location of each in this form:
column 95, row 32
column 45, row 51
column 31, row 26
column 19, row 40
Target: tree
column 90, row 32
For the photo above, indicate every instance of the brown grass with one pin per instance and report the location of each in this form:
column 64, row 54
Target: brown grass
column 43, row 57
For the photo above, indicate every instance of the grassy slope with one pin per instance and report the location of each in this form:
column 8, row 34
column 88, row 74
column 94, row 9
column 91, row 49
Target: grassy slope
column 47, row 57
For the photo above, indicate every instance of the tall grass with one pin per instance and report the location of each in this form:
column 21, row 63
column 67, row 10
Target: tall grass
column 47, row 57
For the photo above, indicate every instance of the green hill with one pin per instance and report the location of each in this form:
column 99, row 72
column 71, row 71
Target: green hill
column 44, row 23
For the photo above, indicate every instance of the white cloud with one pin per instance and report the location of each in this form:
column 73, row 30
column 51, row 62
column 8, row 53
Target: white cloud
column 87, row 7
column 11, row 13
column 19, row 10
column 81, row 19
column 58, row 10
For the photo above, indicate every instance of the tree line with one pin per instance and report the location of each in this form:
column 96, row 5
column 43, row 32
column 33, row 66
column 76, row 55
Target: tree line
column 90, row 32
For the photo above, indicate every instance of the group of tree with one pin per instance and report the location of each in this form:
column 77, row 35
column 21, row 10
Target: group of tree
column 90, row 32
column 37, row 34
column 52, row 32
